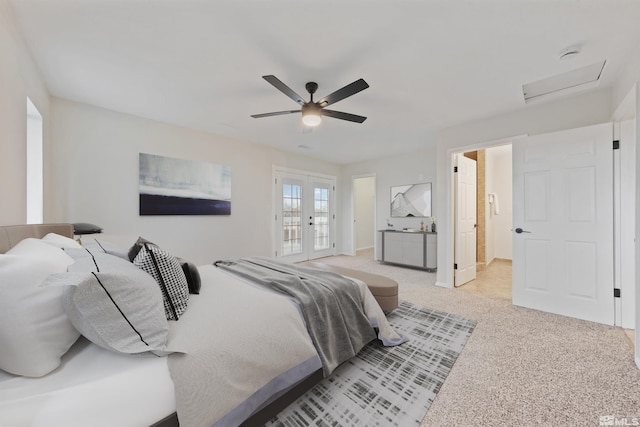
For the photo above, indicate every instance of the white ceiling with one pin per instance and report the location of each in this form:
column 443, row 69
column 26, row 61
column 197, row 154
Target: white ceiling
column 431, row 64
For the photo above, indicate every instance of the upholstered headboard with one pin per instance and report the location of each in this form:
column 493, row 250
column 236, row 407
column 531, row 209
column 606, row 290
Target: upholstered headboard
column 10, row 235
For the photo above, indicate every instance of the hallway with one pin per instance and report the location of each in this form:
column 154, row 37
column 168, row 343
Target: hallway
column 493, row 282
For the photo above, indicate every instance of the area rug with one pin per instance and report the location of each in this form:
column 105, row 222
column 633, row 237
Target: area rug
column 386, row 386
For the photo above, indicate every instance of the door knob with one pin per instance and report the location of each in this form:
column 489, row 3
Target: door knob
column 520, row 230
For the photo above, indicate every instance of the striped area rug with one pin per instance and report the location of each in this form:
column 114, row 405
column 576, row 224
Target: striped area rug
column 386, row 386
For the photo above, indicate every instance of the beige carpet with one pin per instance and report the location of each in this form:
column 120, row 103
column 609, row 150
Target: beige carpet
column 521, row 367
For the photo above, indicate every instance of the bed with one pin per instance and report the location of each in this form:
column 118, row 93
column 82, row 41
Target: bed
column 238, row 354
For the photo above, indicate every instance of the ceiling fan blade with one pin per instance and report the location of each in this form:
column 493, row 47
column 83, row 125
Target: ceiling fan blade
column 340, row 94
column 276, row 113
column 284, row 89
column 343, row 116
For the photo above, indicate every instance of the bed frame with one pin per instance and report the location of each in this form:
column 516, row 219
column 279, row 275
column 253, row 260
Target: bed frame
column 10, row 235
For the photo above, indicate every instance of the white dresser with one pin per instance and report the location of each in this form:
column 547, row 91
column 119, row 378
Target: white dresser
column 413, row 249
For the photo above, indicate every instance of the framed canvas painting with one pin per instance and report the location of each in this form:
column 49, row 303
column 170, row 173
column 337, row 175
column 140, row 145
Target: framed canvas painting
column 170, row 186
column 411, row 200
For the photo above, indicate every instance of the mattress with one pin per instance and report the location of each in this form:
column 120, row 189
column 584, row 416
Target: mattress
column 92, row 387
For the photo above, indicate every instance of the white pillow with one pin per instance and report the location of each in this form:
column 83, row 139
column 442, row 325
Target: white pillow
column 95, row 245
column 34, row 328
column 60, row 241
column 114, row 304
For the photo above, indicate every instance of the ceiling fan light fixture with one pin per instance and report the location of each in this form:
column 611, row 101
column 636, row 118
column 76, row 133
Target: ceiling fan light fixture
column 313, row 111
column 311, row 115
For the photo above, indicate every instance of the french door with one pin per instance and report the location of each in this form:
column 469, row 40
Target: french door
column 304, row 216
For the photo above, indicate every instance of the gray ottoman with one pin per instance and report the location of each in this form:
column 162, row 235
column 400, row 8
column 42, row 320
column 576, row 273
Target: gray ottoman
column 384, row 289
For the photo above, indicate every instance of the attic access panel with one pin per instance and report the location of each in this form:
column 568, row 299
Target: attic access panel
column 571, row 81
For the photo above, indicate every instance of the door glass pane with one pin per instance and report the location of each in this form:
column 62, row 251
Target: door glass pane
column 291, row 219
column 321, row 236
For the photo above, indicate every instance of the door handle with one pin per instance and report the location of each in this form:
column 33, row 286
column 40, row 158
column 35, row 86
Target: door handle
column 520, row 230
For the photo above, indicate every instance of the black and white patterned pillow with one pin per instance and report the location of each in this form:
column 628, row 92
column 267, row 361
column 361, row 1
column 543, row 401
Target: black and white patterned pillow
column 166, row 270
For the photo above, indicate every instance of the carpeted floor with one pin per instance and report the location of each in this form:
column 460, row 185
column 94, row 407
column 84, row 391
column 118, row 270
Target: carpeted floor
column 521, row 367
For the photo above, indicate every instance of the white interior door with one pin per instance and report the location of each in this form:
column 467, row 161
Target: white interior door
column 465, row 186
column 625, row 217
column 563, row 219
column 304, row 217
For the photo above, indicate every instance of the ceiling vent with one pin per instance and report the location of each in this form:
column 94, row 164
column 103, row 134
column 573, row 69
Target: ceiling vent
column 565, row 83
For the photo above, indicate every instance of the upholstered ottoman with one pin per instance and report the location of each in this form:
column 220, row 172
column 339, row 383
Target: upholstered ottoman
column 384, row 289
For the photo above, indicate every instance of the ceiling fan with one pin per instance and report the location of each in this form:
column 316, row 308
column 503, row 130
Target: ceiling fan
column 312, row 110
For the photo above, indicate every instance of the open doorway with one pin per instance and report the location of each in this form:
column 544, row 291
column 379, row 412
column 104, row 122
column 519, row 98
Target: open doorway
column 364, row 208
column 493, row 222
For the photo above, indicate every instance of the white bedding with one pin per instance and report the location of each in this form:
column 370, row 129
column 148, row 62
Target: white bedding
column 262, row 331
column 244, row 343
column 92, row 387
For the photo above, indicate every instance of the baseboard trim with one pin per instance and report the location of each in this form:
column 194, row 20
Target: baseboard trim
column 501, row 260
column 443, row 285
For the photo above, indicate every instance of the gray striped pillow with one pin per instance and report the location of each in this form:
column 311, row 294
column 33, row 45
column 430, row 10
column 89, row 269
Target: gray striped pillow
column 115, row 305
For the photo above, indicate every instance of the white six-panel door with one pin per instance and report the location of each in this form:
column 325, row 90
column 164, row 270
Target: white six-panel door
column 465, row 219
column 563, row 223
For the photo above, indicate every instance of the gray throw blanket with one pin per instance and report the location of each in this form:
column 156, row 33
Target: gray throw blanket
column 332, row 305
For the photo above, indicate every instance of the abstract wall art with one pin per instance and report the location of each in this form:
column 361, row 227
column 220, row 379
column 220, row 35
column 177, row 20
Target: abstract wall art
column 411, row 200
column 170, row 186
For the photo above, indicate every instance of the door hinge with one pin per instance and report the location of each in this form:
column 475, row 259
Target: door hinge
column 276, row 254
column 455, row 266
column 455, row 169
column 334, row 188
column 276, row 180
column 276, row 217
column 334, row 216
column 616, row 292
column 616, row 144
column 334, row 245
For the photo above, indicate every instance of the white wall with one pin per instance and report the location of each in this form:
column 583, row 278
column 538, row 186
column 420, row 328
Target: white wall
column 364, row 190
column 96, row 176
column 398, row 170
column 582, row 110
column 498, row 181
column 19, row 79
